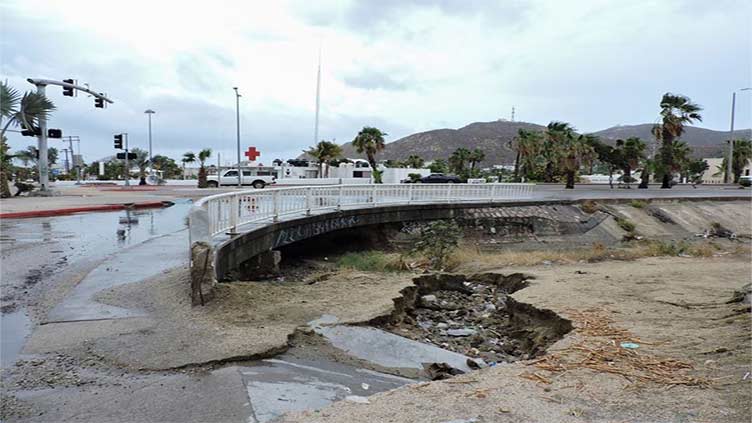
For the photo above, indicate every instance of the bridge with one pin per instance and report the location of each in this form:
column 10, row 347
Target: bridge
column 238, row 226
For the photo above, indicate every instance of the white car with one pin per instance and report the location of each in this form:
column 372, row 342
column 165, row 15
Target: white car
column 250, row 177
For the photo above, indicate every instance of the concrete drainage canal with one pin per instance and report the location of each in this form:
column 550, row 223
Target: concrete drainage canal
column 443, row 325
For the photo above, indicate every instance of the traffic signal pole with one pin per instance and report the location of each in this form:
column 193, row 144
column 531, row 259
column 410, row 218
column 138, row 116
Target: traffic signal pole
column 127, row 171
column 44, row 177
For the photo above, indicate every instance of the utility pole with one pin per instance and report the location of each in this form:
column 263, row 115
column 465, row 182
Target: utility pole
column 67, row 167
column 727, row 178
column 237, row 124
column 318, row 99
column 151, row 157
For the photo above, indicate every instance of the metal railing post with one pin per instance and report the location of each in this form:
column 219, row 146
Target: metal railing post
column 234, row 213
column 373, row 195
column 275, row 205
column 339, row 198
column 449, row 193
column 308, row 200
column 409, row 193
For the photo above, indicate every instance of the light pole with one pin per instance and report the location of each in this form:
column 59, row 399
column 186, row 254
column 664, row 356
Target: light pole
column 237, row 124
column 730, row 158
column 151, row 163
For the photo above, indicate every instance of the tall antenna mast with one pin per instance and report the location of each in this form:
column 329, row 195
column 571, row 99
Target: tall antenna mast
column 318, row 99
column 512, row 113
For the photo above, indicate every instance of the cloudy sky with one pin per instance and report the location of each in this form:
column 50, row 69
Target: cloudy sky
column 401, row 65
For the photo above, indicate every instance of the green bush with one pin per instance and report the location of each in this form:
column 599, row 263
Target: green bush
column 625, row 224
column 638, row 204
column 371, row 261
column 437, row 240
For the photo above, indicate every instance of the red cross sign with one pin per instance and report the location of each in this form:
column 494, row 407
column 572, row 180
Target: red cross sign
column 252, row 154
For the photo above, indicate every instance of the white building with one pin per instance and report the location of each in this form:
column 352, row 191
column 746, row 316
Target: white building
column 714, row 175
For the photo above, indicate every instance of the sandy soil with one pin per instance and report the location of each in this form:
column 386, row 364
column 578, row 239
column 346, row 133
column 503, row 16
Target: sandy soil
column 674, row 307
column 245, row 321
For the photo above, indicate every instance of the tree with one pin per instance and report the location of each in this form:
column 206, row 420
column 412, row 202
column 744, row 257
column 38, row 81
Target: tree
column 203, row 155
column 415, row 162
column 742, row 155
column 676, row 112
column 31, row 155
column 529, row 145
column 632, row 153
column 20, row 111
column 370, row 141
column 438, row 166
column 437, row 240
column 695, row 170
column 476, row 156
column 6, row 165
column 167, row 165
column 458, row 161
column 571, row 152
column 188, row 157
column 142, row 161
column 324, row 152
column 556, row 134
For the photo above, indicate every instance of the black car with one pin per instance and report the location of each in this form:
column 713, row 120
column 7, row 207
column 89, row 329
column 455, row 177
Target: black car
column 440, row 178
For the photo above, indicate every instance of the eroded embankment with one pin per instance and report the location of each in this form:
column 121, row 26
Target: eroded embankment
column 475, row 316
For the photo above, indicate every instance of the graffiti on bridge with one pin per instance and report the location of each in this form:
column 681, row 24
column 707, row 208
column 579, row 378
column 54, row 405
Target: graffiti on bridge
column 308, row 230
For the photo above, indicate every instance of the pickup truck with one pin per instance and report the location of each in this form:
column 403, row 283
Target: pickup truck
column 249, row 177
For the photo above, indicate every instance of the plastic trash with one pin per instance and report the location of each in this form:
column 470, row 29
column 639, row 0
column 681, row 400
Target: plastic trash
column 629, row 345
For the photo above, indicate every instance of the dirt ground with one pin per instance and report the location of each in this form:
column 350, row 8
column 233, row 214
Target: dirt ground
column 692, row 363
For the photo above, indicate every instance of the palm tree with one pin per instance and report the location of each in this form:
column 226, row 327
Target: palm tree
column 6, row 162
column 529, row 145
column 142, row 161
column 632, row 152
column 458, row 160
column 324, row 152
column 203, row 155
column 476, row 156
column 188, row 157
column 742, row 155
column 570, row 150
column 676, row 111
column 370, row 141
column 415, row 162
column 556, row 133
column 24, row 111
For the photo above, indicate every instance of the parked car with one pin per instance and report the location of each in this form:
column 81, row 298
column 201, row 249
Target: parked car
column 249, row 177
column 440, row 178
column 745, row 180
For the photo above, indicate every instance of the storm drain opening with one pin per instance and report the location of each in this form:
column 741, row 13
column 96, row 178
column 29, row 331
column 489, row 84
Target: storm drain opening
column 474, row 316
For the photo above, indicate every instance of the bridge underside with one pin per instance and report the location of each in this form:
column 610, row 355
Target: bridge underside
column 232, row 254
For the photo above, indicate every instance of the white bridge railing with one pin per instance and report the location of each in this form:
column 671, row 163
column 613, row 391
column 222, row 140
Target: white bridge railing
column 225, row 212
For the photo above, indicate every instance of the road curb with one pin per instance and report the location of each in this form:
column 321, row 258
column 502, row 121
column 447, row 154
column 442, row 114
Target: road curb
column 85, row 209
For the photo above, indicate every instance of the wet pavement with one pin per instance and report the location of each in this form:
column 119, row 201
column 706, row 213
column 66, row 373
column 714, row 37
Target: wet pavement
column 39, row 252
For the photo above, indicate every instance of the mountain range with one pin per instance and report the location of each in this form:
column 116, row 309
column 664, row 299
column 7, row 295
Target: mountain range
column 494, row 139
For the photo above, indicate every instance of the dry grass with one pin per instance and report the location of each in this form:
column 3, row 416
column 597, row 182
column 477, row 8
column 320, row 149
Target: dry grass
column 601, row 351
column 473, row 257
column 589, row 206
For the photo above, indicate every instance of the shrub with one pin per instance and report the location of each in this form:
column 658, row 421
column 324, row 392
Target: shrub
column 414, row 177
column 437, row 240
column 371, row 261
column 625, row 224
column 638, row 204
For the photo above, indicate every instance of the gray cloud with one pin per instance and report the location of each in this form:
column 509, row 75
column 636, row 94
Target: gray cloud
column 372, row 79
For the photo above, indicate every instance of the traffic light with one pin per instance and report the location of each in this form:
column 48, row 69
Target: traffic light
column 34, row 132
column 119, row 141
column 121, row 156
column 98, row 102
column 68, row 91
column 54, row 133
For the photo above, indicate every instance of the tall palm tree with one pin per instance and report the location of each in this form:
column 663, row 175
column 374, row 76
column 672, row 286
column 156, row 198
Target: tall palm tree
column 742, row 156
column 556, row 133
column 458, row 160
column 529, row 145
column 476, row 156
column 189, row 157
column 370, row 141
column 324, row 152
column 414, row 161
column 17, row 110
column 676, row 112
column 632, row 153
column 569, row 149
column 203, row 155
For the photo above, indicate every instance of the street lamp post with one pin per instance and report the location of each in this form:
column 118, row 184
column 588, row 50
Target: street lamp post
column 150, row 112
column 730, row 159
column 237, row 125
